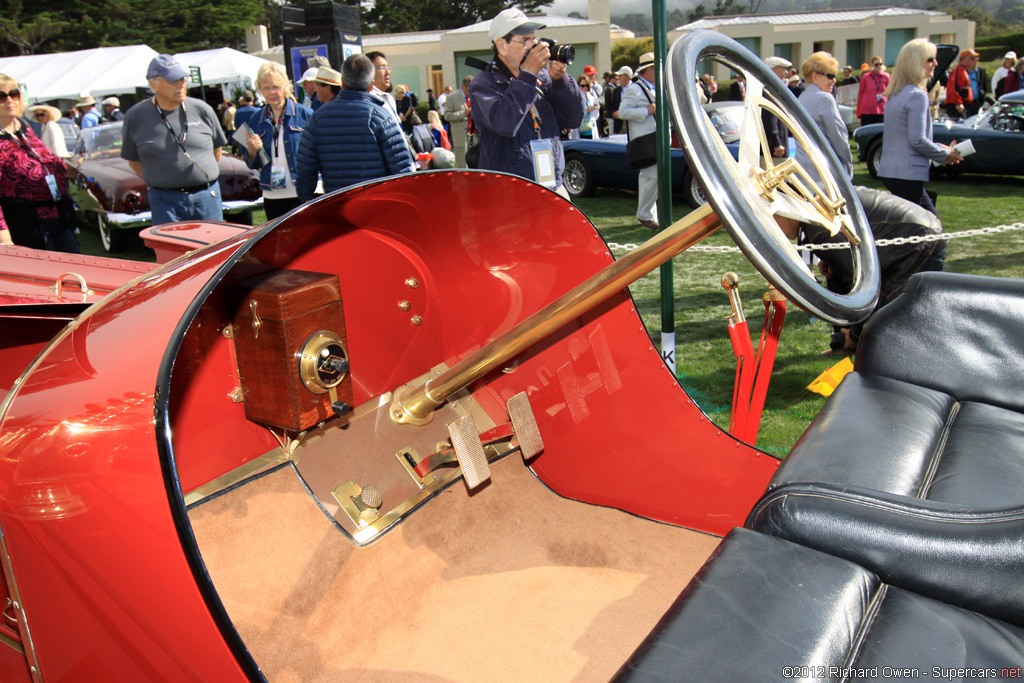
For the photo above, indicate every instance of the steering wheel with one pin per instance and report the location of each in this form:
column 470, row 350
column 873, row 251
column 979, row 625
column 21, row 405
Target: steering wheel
column 748, row 193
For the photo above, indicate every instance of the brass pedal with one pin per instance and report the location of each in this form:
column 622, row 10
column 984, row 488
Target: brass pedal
column 470, row 451
column 525, row 425
column 362, row 505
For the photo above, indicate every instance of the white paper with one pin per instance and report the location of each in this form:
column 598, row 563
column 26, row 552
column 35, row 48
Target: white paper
column 965, row 148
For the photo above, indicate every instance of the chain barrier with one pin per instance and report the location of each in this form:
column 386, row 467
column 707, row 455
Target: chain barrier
column 917, row 239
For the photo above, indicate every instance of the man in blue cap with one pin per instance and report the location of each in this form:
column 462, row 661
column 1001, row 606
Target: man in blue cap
column 173, row 142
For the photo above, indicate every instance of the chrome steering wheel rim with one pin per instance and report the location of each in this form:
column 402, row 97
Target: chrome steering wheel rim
column 736, row 190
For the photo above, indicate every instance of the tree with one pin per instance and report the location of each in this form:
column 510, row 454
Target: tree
column 676, row 18
column 179, row 26
column 639, row 24
column 399, row 16
column 626, row 52
column 698, row 13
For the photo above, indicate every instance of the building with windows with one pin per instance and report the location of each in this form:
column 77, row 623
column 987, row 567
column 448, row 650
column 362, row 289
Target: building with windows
column 434, row 59
column 852, row 36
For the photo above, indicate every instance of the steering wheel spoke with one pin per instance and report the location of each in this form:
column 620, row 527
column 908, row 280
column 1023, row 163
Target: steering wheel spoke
column 748, row 193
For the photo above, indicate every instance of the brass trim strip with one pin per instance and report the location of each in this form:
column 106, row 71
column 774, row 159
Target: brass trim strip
column 415, row 406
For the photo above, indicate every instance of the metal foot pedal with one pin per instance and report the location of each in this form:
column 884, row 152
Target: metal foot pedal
column 362, row 505
column 470, row 451
column 525, row 425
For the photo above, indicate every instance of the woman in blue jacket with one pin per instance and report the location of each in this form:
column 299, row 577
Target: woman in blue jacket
column 907, row 146
column 274, row 144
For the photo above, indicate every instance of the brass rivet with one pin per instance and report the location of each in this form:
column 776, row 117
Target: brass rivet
column 228, row 332
column 417, row 320
column 236, row 395
column 413, row 283
column 404, row 305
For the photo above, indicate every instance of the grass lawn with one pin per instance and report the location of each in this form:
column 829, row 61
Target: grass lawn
column 705, row 363
column 704, row 359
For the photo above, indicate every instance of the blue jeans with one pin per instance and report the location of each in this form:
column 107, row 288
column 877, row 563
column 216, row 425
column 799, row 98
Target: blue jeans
column 171, row 206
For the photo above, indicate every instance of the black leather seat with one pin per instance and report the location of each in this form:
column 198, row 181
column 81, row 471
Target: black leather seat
column 915, row 467
column 765, row 609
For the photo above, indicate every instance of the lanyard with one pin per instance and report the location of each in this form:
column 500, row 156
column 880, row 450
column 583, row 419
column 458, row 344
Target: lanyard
column 19, row 137
column 536, row 120
column 277, row 128
column 184, row 125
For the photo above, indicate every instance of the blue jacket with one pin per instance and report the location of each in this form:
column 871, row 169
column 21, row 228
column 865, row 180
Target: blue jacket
column 505, row 113
column 351, row 139
column 262, row 123
column 907, row 147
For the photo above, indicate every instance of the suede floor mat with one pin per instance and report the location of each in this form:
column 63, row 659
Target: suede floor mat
column 509, row 583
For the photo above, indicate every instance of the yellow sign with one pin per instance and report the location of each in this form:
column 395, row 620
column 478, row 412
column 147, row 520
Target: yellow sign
column 826, row 382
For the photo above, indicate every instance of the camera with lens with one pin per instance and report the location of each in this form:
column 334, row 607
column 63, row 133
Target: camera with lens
column 560, row 53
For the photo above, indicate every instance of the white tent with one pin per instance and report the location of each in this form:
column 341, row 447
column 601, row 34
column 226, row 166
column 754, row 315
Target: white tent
column 223, row 66
column 107, row 71
column 98, row 72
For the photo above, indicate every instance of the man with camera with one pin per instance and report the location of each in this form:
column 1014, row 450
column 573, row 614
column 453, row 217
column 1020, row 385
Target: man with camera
column 523, row 100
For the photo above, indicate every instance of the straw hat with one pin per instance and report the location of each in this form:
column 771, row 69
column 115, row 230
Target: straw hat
column 87, row 101
column 55, row 114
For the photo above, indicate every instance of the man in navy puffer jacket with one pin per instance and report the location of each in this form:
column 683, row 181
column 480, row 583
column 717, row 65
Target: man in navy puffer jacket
column 352, row 138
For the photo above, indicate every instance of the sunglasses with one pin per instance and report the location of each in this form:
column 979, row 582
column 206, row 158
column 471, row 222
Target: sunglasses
column 40, row 114
column 931, row 59
column 14, row 94
column 877, row 64
column 830, row 77
column 585, row 87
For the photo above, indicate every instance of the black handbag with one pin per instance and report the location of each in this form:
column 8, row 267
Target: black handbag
column 642, row 152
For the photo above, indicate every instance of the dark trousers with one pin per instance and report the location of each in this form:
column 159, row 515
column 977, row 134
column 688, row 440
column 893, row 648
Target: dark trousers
column 912, row 191
column 866, row 119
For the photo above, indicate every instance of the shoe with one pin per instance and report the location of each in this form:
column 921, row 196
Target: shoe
column 652, row 225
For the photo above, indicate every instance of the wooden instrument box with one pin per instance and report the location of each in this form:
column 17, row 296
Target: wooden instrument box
column 291, row 348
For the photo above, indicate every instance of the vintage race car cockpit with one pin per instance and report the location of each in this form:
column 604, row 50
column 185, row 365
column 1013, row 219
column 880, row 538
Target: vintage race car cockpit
column 416, row 430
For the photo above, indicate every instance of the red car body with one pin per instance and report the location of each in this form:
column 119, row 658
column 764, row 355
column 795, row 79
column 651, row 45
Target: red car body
column 112, row 411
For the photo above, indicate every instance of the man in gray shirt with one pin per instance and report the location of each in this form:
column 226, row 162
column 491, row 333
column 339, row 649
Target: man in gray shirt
column 173, row 142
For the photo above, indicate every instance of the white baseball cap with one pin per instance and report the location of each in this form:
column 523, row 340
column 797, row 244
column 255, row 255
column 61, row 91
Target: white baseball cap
column 308, row 75
column 1010, row 55
column 512, row 21
column 775, row 62
column 625, row 71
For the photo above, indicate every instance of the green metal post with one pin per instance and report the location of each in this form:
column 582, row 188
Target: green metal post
column 668, row 319
column 196, row 74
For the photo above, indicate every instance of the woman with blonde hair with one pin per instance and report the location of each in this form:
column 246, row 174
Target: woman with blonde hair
column 907, row 146
column 437, row 130
column 277, row 129
column 820, row 75
column 35, row 209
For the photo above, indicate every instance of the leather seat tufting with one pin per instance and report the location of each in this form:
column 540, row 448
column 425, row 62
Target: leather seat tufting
column 765, row 609
column 914, row 468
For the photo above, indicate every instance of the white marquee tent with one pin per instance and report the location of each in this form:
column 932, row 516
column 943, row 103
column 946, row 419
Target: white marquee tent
column 105, row 71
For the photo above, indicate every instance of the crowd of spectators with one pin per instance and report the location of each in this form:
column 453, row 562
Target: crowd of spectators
column 352, row 124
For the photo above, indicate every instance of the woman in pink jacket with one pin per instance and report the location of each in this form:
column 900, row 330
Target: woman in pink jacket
column 870, row 97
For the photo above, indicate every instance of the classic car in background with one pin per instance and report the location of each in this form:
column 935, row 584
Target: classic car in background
column 70, row 130
column 590, row 164
column 997, row 134
column 110, row 195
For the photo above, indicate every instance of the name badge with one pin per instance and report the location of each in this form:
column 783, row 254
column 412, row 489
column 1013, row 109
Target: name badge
column 543, row 163
column 51, row 182
column 278, row 177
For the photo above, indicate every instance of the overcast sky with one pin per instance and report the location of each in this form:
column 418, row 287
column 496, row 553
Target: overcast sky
column 562, row 8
